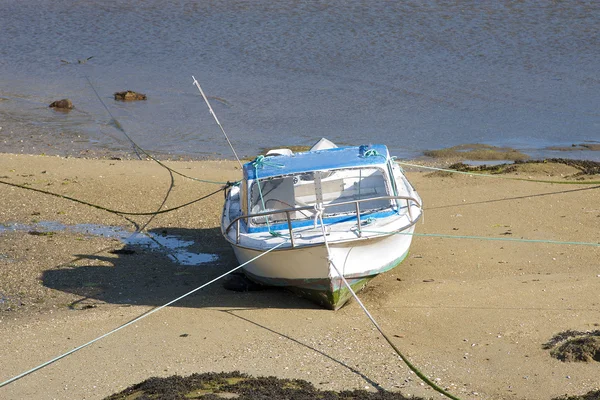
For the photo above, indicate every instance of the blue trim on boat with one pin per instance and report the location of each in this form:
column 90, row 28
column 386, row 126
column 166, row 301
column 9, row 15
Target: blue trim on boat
column 329, row 220
column 320, row 160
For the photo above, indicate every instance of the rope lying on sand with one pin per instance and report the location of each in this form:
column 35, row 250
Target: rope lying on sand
column 319, row 215
column 498, row 176
column 144, row 315
column 111, row 210
column 491, row 238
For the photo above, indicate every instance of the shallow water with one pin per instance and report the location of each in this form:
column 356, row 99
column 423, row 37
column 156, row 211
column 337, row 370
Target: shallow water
column 174, row 247
column 414, row 75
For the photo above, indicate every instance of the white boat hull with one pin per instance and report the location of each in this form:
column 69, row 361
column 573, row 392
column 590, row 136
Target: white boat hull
column 307, row 270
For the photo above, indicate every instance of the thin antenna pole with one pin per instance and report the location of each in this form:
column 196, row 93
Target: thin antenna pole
column 216, row 120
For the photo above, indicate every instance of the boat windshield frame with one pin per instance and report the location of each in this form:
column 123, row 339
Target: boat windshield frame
column 239, row 222
column 371, row 185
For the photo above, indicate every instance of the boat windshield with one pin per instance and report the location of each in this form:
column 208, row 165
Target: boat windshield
column 327, row 187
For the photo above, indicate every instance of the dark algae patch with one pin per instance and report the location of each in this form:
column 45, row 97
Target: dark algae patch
column 477, row 152
column 593, row 395
column 584, row 167
column 583, row 349
column 235, row 385
column 579, row 146
column 575, row 346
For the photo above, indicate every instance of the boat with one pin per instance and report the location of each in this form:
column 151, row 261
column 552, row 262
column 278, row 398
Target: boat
column 330, row 218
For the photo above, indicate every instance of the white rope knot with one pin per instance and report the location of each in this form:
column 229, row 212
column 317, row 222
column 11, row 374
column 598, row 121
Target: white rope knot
column 319, row 210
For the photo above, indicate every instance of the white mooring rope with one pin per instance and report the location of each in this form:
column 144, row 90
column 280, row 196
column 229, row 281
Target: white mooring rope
column 424, row 378
column 136, row 319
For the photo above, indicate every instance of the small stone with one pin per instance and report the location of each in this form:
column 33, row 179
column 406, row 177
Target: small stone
column 129, row 95
column 64, row 104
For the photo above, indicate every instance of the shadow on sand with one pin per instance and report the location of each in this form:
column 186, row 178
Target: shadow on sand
column 139, row 275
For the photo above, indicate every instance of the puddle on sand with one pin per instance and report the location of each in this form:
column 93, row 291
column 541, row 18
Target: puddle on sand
column 176, row 248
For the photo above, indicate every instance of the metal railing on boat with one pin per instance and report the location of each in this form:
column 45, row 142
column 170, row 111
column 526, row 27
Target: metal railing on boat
column 287, row 211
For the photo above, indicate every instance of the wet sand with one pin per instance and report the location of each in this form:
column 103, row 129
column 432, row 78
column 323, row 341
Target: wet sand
column 471, row 314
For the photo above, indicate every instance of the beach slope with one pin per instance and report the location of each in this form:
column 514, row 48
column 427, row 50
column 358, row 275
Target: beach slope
column 498, row 268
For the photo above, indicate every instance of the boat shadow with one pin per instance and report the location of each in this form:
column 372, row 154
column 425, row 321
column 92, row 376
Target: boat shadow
column 139, row 274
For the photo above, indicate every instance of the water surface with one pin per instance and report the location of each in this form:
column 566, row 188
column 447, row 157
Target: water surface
column 413, row 75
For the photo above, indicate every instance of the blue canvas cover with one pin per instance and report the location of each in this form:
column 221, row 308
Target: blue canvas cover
column 321, row 160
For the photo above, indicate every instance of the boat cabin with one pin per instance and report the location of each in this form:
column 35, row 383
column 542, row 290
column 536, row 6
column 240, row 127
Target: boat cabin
column 342, row 179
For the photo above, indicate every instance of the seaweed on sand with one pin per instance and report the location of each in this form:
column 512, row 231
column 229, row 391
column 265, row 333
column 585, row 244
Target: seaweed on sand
column 575, row 346
column 212, row 386
column 592, row 395
column 585, row 167
column 477, row 151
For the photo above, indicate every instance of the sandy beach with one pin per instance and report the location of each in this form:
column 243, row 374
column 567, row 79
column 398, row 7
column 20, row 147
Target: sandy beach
column 472, row 314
